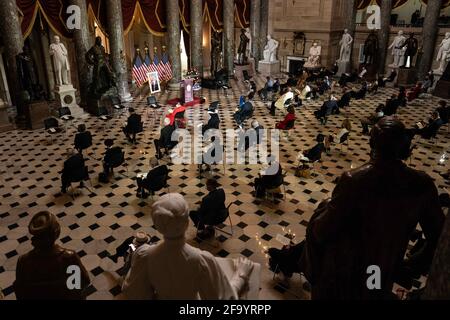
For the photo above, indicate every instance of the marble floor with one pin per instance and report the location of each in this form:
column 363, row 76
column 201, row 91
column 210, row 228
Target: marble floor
column 94, row 224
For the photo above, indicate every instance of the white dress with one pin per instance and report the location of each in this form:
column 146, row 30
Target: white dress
column 174, row 270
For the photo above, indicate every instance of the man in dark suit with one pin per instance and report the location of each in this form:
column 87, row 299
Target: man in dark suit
column 133, row 127
column 73, row 170
column 153, row 180
column 328, row 108
column 392, row 106
column 83, row 139
column 444, row 111
column 345, row 99
column 211, row 212
column 165, row 139
column 430, row 130
column 243, row 113
column 111, row 157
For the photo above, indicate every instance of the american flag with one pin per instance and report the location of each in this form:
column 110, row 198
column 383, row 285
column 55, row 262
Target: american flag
column 139, row 71
column 167, row 67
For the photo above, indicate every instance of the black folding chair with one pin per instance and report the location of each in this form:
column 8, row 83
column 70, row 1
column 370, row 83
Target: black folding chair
column 52, row 127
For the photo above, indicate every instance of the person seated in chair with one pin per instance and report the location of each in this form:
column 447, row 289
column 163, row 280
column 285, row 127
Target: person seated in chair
column 315, row 153
column 427, row 131
column 382, row 81
column 392, row 106
column 289, row 119
column 245, row 140
column 133, row 127
column 372, row 119
column 74, row 170
column 83, row 139
column 214, row 120
column 165, row 139
column 270, row 178
column 361, row 93
column 113, row 155
column 244, row 113
column 414, row 93
column 345, row 99
column 444, row 111
column 328, row 108
column 212, row 211
column 346, row 127
column 282, row 102
column 153, row 180
column 268, row 87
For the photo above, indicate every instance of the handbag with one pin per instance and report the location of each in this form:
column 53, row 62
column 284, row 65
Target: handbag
column 303, row 171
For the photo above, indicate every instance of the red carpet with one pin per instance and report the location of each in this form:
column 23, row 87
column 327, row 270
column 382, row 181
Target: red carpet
column 196, row 101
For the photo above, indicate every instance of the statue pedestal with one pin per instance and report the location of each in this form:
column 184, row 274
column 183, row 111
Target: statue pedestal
column 406, row 77
column 36, row 113
column 442, row 89
column 66, row 95
column 239, row 71
column 344, row 67
column 269, row 68
column 5, row 125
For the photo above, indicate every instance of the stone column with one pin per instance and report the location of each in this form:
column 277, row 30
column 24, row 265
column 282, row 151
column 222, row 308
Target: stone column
column 197, row 35
column 48, row 65
column 255, row 25
column 264, row 26
column 173, row 32
column 115, row 30
column 82, row 41
column 13, row 42
column 438, row 287
column 228, row 36
column 383, row 34
column 430, row 32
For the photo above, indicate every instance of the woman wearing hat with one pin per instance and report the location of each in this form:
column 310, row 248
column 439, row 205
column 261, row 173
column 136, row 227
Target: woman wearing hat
column 43, row 273
column 174, row 270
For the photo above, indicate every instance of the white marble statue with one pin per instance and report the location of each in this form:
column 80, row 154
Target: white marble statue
column 346, row 47
column 314, row 56
column 270, row 51
column 249, row 46
column 398, row 51
column 60, row 61
column 443, row 55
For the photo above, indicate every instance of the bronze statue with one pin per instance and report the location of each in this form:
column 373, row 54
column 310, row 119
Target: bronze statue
column 216, row 52
column 103, row 78
column 412, row 46
column 242, row 50
column 43, row 273
column 371, row 48
column 27, row 74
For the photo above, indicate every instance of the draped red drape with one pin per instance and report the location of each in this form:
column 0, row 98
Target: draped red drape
column 242, row 13
column 153, row 13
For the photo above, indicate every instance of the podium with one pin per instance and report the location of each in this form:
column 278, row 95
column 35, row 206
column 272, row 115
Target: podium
column 36, row 113
column 187, row 91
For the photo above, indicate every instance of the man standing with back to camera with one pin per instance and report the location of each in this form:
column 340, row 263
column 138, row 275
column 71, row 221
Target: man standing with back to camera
column 369, row 220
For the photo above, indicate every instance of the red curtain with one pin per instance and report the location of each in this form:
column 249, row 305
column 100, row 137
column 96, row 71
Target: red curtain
column 214, row 10
column 54, row 12
column 242, row 13
column 152, row 11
